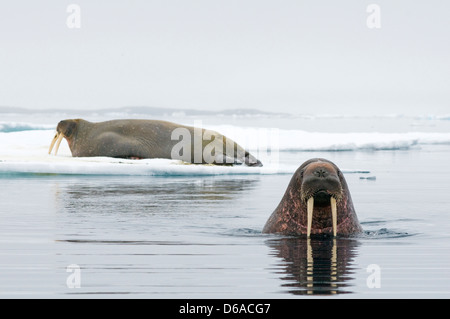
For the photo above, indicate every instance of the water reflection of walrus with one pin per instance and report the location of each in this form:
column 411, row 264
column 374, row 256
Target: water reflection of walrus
column 317, row 201
column 138, row 139
column 315, row 265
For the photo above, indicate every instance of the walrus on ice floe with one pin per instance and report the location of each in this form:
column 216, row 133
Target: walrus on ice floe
column 316, row 202
column 139, row 139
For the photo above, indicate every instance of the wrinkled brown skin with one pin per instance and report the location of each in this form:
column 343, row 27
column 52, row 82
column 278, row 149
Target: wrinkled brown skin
column 135, row 139
column 290, row 217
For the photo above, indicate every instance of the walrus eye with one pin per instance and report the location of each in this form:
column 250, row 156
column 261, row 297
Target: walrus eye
column 301, row 174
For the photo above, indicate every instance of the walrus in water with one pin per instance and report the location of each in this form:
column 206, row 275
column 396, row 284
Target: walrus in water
column 316, row 202
column 139, row 139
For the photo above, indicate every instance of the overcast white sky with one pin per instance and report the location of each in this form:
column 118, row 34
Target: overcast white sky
column 315, row 56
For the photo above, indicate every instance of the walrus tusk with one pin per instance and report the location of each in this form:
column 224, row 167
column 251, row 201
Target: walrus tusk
column 310, row 207
column 58, row 143
column 334, row 215
column 58, row 138
column 53, row 142
column 310, row 214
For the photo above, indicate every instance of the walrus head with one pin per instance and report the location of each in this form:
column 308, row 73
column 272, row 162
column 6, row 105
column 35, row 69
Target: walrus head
column 317, row 201
column 65, row 128
column 321, row 187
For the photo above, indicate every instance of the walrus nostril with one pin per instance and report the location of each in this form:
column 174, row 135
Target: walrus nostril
column 320, row 172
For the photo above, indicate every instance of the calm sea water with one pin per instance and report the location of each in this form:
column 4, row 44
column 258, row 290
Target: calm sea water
column 67, row 236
